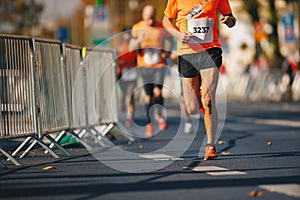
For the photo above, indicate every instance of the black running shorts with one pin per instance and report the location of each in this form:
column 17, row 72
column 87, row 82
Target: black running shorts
column 152, row 77
column 189, row 65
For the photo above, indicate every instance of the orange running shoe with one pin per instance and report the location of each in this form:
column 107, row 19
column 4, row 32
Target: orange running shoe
column 210, row 152
column 162, row 124
column 149, row 130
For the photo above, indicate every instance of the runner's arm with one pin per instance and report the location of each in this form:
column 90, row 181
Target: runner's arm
column 135, row 42
column 168, row 25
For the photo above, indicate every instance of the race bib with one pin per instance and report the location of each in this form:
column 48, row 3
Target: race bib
column 152, row 56
column 202, row 30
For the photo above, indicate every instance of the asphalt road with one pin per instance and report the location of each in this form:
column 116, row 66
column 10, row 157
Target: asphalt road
column 259, row 158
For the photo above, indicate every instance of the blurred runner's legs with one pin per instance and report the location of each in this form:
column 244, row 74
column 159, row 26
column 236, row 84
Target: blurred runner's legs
column 127, row 76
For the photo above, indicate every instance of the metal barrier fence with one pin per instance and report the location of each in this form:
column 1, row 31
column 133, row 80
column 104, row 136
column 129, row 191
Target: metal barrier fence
column 46, row 87
column 101, row 104
column 75, row 82
column 263, row 87
column 51, row 92
column 26, row 91
column 18, row 113
column 101, row 70
column 17, row 90
column 52, row 89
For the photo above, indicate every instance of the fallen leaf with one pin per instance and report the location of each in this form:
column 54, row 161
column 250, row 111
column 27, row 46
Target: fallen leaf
column 49, row 167
column 269, row 143
column 254, row 193
column 221, row 142
column 225, row 153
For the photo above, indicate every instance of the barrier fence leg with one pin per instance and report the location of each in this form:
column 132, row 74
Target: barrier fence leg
column 28, row 149
column 102, row 131
column 107, row 129
column 99, row 138
column 41, row 143
column 57, row 139
column 21, row 146
column 85, row 131
column 39, row 140
column 10, row 157
column 56, row 144
column 87, row 146
column 111, row 126
column 94, row 135
column 81, row 133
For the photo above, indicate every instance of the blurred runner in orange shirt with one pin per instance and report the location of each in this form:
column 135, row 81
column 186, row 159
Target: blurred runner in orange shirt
column 149, row 38
column 200, row 55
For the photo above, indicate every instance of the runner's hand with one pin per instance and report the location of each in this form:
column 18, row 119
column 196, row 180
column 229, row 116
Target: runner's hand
column 228, row 20
column 186, row 37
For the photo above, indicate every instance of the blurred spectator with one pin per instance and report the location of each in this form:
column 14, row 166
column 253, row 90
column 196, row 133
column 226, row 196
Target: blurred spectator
column 244, row 57
column 127, row 75
column 290, row 66
column 260, row 35
column 261, row 65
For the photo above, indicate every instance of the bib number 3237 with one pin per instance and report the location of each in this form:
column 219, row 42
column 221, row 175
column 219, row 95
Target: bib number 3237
column 202, row 30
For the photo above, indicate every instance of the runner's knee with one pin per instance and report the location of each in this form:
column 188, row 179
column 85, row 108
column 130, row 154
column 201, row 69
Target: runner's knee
column 157, row 92
column 192, row 108
column 207, row 104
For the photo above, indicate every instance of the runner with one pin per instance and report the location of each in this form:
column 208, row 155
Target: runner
column 148, row 38
column 200, row 55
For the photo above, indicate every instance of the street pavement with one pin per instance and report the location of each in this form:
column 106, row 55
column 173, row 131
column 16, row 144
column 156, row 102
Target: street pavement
column 259, row 158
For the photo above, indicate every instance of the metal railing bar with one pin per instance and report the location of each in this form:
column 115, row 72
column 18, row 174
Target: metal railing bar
column 38, row 140
column 53, row 141
column 10, row 157
column 19, row 148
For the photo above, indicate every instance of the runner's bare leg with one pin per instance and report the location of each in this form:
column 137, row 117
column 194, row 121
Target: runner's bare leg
column 209, row 86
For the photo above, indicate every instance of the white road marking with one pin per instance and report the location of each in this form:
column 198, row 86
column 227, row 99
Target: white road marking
column 274, row 122
column 278, row 122
column 217, row 171
column 226, row 173
column 208, row 168
column 287, row 189
column 159, row 157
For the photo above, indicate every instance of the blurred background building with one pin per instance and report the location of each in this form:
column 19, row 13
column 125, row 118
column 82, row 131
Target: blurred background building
column 271, row 27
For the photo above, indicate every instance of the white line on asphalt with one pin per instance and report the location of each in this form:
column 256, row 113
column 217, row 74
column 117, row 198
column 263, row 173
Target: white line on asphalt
column 217, row 171
column 287, row 189
column 275, row 122
column 278, row 122
column 226, row 173
column 158, row 157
